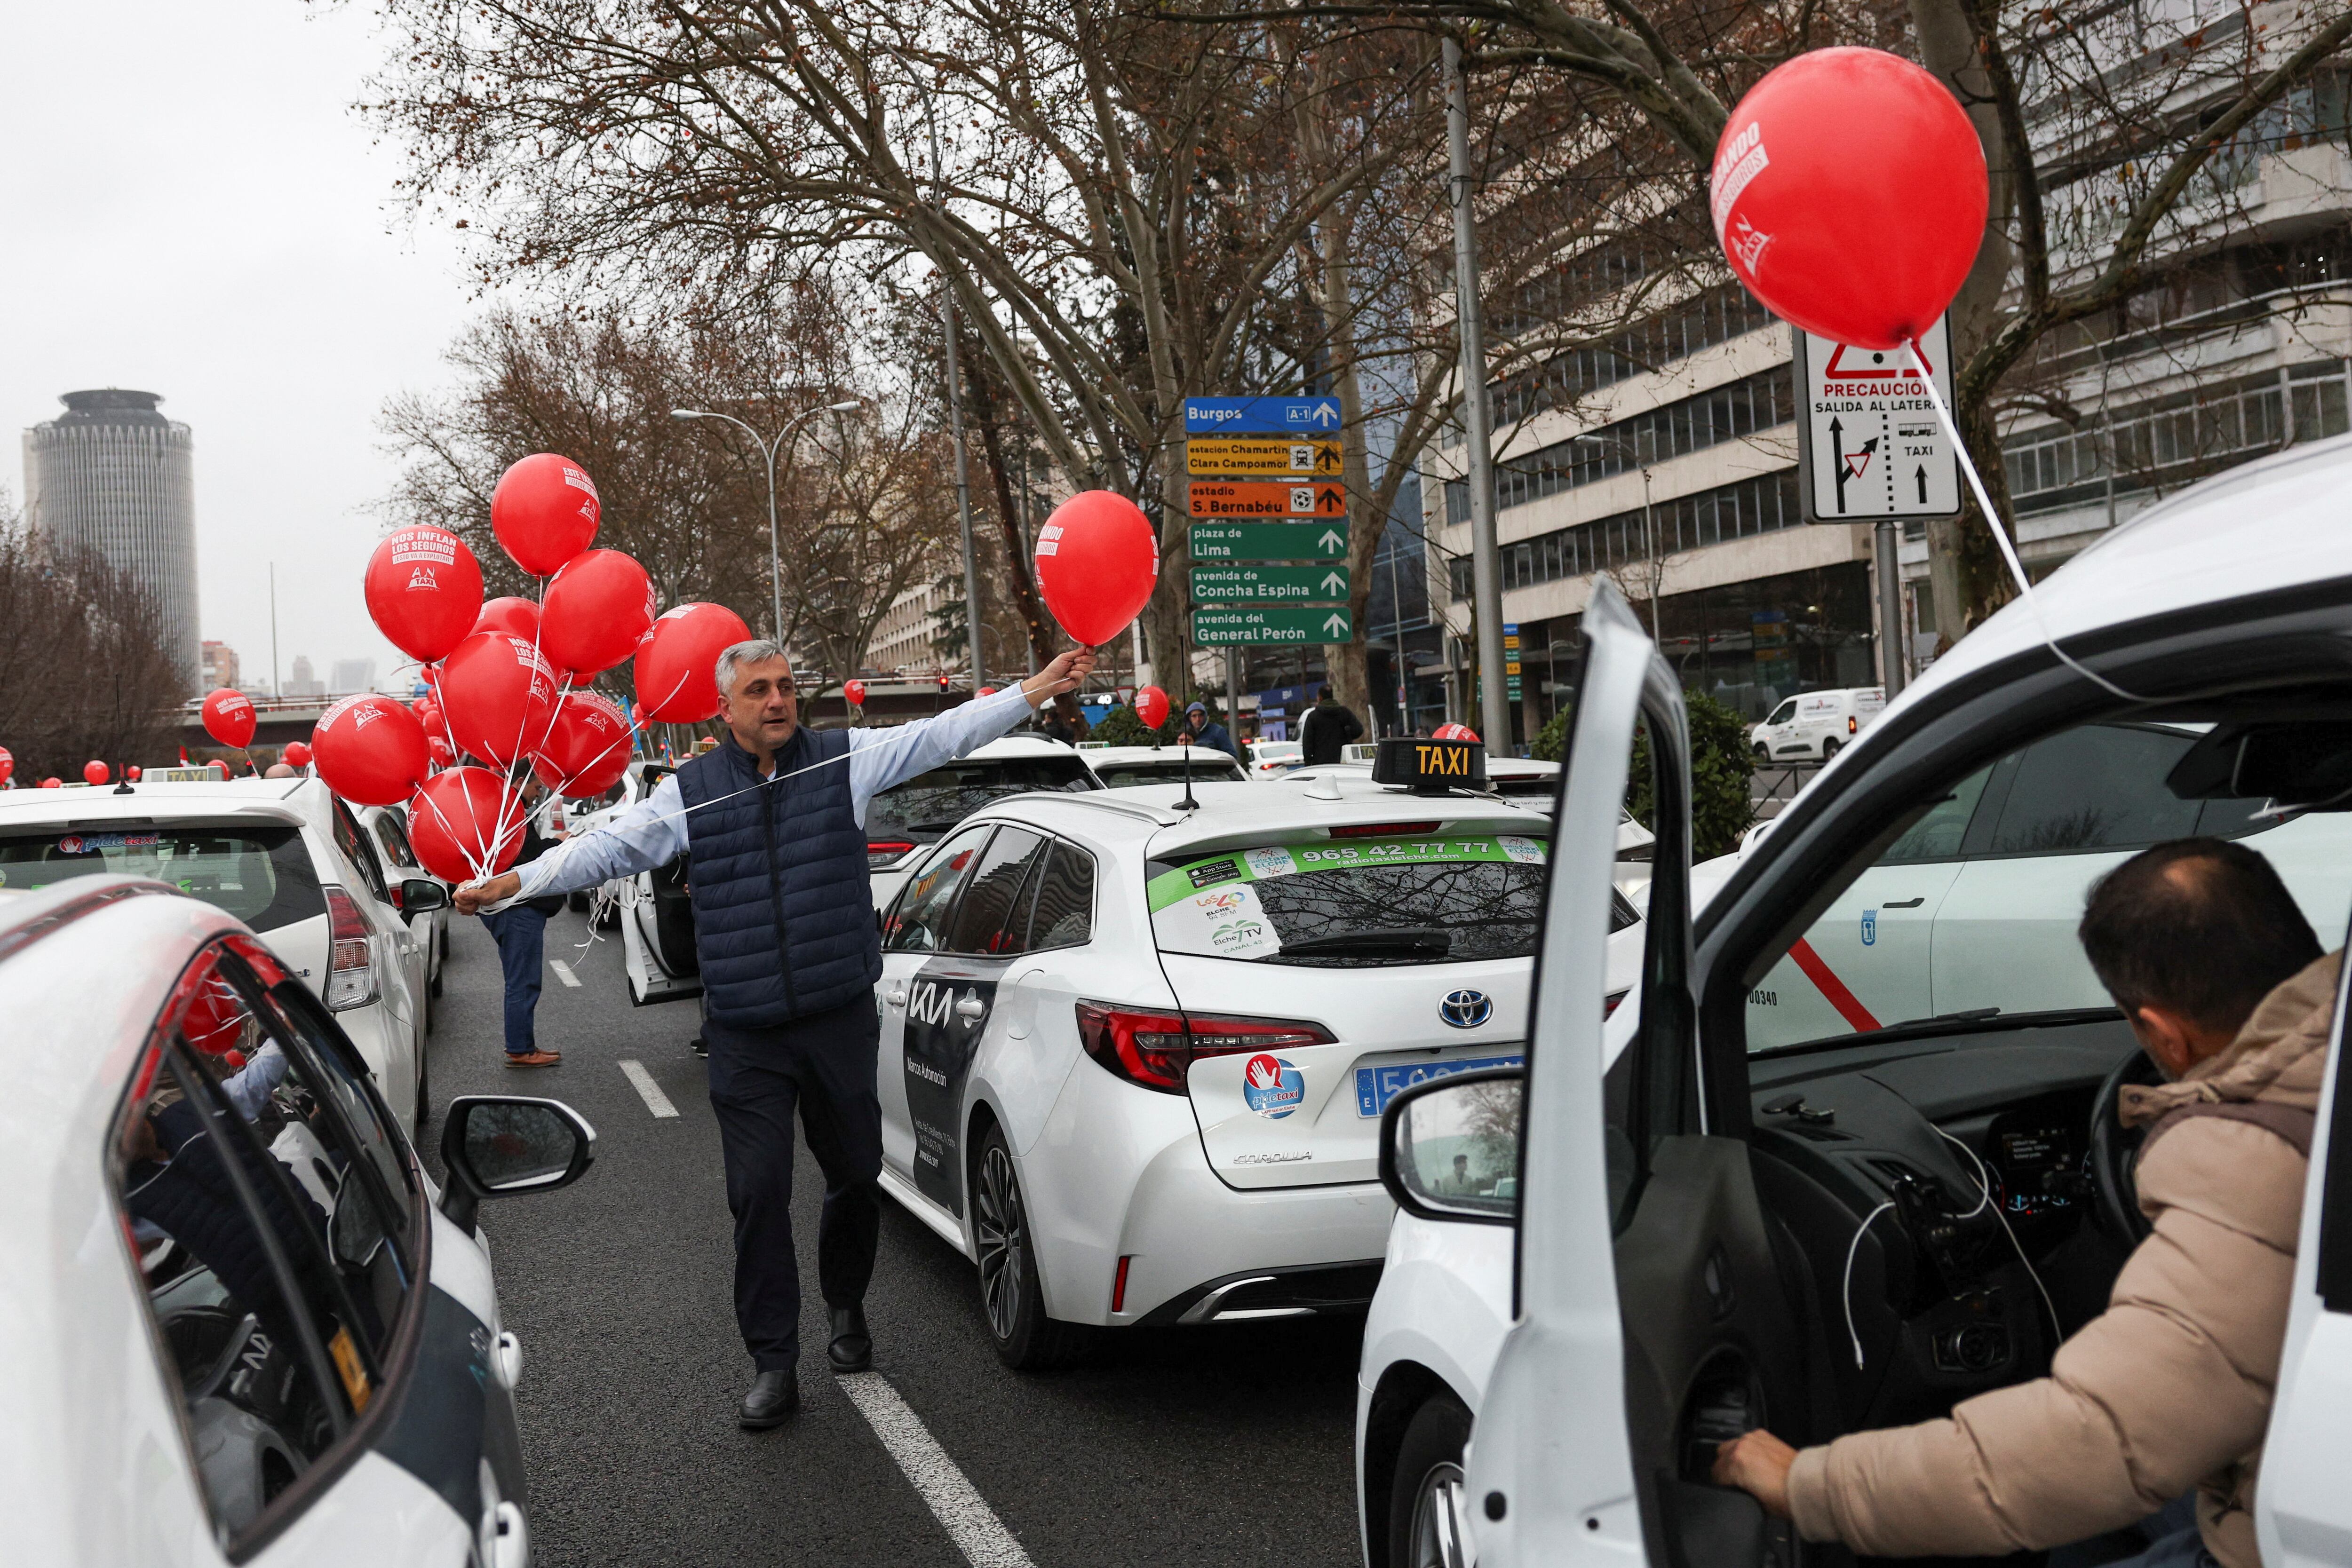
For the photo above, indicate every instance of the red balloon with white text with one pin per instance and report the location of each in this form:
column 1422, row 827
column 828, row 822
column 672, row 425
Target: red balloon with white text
column 424, row 590
column 1097, row 561
column 544, row 512
column 229, row 717
column 7, row 764
column 1152, row 707
column 457, row 829
column 676, row 670
column 1453, row 732
column 369, row 750
column 498, row 692
column 597, row 610
column 588, row 750
column 854, row 691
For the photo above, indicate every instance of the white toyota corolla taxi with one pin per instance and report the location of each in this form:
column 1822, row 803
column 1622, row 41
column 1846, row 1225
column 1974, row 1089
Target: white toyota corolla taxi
column 1848, row 1153
column 1136, row 1042
column 239, row 1324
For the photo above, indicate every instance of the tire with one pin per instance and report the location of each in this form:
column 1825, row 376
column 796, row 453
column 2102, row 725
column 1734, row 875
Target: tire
column 1763, row 753
column 1011, row 1301
column 1829, row 748
column 444, row 941
column 1422, row 1514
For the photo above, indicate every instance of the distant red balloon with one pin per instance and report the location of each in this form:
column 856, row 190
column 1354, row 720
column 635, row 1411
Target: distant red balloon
column 7, row 764
column 520, row 616
column 371, row 750
column 588, row 749
column 1861, row 250
column 1453, row 732
column 637, row 714
column 131, row 772
column 597, row 610
column 229, row 717
column 1152, row 707
column 985, row 692
column 439, row 751
column 676, row 670
column 853, row 690
column 424, row 589
column 298, row 754
column 95, row 772
column 216, row 766
column 499, row 696
column 544, row 512
column 1098, row 559
column 53, row 784
column 456, row 826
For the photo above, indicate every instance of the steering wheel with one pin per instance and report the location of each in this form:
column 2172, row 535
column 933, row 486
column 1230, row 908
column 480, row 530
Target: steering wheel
column 2113, row 1148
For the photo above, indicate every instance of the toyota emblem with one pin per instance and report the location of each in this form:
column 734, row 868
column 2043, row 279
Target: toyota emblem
column 1467, row 1008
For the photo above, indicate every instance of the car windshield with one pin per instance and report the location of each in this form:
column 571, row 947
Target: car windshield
column 1369, row 902
column 1207, row 768
column 260, row 875
column 930, row 804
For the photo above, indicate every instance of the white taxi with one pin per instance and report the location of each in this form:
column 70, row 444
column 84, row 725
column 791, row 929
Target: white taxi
column 1847, row 1204
column 1125, row 766
column 1136, row 1042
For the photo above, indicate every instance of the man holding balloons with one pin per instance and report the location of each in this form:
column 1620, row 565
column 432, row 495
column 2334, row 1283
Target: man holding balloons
column 773, row 822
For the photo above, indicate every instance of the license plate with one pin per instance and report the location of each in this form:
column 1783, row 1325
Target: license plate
column 1375, row 1086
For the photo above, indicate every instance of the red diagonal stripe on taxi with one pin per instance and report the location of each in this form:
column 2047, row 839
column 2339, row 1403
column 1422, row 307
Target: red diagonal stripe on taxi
column 1848, row 1005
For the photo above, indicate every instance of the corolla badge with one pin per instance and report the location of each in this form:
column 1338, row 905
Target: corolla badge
column 1467, row 1008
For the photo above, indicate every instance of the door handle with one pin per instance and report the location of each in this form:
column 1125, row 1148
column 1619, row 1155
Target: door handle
column 897, row 998
column 1905, row 903
column 970, row 1008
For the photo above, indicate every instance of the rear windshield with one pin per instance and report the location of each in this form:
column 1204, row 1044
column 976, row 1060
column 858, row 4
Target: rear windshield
column 262, row 875
column 930, row 804
column 1363, row 903
column 1205, row 769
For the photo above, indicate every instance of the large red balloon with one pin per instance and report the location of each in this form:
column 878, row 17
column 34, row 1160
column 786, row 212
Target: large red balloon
column 94, row 771
column 597, row 610
column 297, row 753
column 1848, row 195
column 544, row 512
column 229, row 717
column 520, row 616
column 424, row 589
column 498, row 693
column 1097, row 562
column 457, row 829
column 1152, row 707
column 678, row 667
column 854, row 691
column 588, row 750
column 369, row 749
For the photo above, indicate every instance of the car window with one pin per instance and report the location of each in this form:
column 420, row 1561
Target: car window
column 1782, row 714
column 359, row 851
column 928, row 806
column 1938, row 835
column 918, row 921
column 987, row 917
column 1063, row 913
column 393, row 837
column 1207, row 768
column 261, row 874
column 1360, row 903
column 2101, row 786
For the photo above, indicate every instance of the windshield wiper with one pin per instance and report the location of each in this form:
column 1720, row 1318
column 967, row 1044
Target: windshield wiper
column 1374, row 940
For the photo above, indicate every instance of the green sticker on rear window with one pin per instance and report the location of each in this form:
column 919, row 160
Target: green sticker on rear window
column 1270, row 861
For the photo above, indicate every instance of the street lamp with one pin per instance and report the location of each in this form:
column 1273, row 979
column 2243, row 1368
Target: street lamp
column 1649, row 540
column 769, row 449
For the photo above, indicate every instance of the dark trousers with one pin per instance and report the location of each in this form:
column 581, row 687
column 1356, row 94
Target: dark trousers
column 521, row 936
column 825, row 1065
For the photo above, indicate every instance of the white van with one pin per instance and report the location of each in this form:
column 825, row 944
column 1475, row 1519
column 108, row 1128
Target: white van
column 1810, row 727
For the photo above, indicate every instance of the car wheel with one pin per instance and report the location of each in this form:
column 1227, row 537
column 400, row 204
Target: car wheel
column 1829, row 748
column 1763, row 753
column 1011, row 1301
column 444, row 941
column 1427, row 1502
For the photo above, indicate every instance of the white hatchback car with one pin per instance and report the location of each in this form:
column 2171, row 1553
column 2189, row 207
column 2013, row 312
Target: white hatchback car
column 239, row 1328
column 286, row 857
column 1134, row 1056
column 1814, row 726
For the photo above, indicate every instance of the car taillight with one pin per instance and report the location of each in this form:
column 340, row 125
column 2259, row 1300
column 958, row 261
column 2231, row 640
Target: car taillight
column 1853, row 725
column 881, row 853
column 1609, row 1003
column 1153, row 1048
column 351, row 961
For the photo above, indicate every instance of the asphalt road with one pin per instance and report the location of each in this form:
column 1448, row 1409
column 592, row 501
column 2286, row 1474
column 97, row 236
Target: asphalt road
column 1206, row 1445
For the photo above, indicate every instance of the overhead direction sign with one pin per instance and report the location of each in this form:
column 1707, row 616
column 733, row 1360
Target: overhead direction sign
column 1261, row 416
column 1216, row 626
column 1259, row 498
column 1266, row 458
column 1270, row 541
column 1869, row 444
column 1268, row 584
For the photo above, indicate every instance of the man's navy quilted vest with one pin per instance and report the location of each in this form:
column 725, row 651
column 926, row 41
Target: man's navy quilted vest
column 783, row 908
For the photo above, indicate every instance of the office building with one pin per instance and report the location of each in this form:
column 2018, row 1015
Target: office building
column 302, row 682
column 352, row 676
column 220, row 667
column 111, row 474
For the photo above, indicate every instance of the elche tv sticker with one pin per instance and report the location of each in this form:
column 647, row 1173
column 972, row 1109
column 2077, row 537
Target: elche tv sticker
column 1272, row 1086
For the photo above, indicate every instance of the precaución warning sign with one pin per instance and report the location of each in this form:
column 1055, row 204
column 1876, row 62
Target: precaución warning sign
column 1871, row 447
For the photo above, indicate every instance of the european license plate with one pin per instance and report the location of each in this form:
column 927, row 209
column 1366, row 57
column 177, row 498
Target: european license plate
column 1375, row 1086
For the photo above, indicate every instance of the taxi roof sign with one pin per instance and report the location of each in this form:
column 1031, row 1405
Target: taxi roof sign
column 1430, row 767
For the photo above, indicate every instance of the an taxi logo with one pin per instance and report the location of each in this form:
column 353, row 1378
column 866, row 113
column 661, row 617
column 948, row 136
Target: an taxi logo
column 1271, row 1087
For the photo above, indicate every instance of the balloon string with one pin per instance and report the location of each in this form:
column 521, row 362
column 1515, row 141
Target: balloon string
column 2001, row 535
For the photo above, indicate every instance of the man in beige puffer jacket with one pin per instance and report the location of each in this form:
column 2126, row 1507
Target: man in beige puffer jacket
column 2207, row 953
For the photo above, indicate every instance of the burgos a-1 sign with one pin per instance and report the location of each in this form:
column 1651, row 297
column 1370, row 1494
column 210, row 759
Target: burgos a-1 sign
column 1869, row 445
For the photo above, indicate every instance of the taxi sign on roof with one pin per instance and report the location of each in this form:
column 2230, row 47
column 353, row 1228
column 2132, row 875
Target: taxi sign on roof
column 1430, row 767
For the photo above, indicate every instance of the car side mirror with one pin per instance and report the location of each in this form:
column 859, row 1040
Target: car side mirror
column 1450, row 1147
column 502, row 1145
column 419, row 894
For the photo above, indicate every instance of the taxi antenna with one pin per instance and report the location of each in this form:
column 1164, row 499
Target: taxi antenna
column 1188, row 803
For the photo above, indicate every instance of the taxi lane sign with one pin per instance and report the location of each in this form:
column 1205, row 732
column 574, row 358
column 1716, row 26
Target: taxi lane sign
column 1268, row 584
column 1217, row 626
column 1260, row 415
column 1245, row 498
column 1270, row 541
column 1869, row 446
column 1274, row 459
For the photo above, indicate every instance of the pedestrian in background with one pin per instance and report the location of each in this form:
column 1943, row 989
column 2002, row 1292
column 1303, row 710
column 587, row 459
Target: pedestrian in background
column 1326, row 729
column 520, row 932
column 1203, row 730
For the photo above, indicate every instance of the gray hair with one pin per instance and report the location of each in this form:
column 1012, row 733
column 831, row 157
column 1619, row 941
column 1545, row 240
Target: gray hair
column 759, row 650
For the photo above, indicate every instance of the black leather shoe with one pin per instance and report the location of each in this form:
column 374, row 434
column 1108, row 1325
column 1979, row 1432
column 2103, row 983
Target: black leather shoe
column 774, row 1395
column 852, row 1349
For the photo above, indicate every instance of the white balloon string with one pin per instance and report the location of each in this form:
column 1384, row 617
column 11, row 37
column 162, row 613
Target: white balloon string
column 2000, row 533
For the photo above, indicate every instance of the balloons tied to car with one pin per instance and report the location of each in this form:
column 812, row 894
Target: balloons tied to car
column 229, row 717
column 1152, row 707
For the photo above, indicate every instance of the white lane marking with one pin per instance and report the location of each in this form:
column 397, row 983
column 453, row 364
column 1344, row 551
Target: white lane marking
column 647, row 1090
column 970, row 1522
column 564, row 972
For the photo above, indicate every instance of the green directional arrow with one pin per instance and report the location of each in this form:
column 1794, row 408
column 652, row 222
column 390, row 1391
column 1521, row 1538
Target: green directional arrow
column 1270, row 541
column 1217, row 626
column 1268, row 584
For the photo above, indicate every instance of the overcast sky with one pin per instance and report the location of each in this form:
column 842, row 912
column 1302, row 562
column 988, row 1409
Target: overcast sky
column 190, row 207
